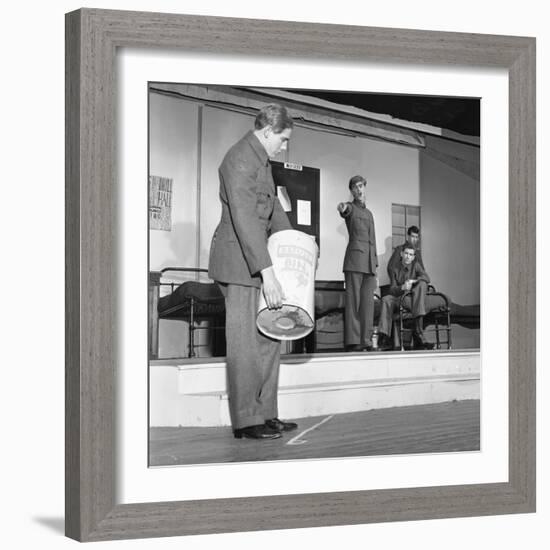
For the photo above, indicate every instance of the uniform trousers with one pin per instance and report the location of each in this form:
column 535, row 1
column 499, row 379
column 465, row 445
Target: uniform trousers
column 359, row 316
column 252, row 359
column 416, row 304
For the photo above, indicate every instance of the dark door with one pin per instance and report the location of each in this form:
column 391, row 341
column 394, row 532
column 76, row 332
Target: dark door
column 301, row 184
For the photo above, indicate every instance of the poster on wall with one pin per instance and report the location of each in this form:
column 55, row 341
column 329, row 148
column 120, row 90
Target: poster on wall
column 160, row 203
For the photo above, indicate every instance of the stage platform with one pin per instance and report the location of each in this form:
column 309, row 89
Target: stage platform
column 439, row 428
column 186, row 392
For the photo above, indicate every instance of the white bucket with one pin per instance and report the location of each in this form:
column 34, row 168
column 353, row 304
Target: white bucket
column 294, row 257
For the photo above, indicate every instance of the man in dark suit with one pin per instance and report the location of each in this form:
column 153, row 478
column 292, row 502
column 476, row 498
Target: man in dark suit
column 241, row 265
column 360, row 263
column 409, row 275
column 413, row 238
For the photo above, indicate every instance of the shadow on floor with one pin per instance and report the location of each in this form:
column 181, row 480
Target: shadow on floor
column 54, row 524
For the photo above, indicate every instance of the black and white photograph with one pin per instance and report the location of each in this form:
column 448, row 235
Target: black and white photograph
column 314, row 274
column 277, row 282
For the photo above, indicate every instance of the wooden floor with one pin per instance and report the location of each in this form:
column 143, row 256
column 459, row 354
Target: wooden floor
column 437, row 428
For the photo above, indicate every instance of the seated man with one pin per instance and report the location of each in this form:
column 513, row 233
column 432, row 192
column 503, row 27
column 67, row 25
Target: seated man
column 408, row 275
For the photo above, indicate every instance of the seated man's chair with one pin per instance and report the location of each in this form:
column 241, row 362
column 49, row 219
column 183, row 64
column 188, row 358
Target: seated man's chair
column 438, row 317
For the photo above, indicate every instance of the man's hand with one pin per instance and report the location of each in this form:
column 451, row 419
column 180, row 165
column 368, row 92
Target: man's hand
column 273, row 292
column 407, row 285
column 342, row 207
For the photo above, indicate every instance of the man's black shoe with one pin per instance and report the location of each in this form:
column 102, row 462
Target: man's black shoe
column 384, row 343
column 424, row 345
column 420, row 342
column 280, row 426
column 260, row 431
column 418, row 335
column 354, row 347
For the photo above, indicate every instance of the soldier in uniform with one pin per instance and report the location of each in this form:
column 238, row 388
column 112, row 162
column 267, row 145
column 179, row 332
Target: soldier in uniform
column 407, row 276
column 360, row 263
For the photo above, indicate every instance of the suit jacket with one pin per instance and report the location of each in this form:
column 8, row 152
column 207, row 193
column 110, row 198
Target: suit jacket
column 361, row 252
column 251, row 212
column 400, row 273
column 395, row 260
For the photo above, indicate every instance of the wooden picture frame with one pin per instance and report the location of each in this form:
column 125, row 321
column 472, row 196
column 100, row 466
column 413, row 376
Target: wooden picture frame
column 92, row 39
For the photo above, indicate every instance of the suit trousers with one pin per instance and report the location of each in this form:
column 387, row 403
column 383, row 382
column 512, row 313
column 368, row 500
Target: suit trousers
column 416, row 304
column 359, row 316
column 252, row 359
